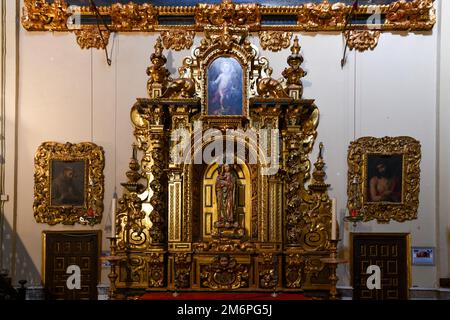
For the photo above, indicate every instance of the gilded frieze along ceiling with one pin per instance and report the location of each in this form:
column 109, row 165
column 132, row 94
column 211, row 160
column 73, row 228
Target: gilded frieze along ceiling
column 93, row 20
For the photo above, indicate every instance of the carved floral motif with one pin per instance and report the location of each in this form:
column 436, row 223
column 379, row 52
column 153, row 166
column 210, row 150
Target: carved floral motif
column 362, row 40
column 178, row 39
column 275, row 40
column 224, row 273
column 88, row 38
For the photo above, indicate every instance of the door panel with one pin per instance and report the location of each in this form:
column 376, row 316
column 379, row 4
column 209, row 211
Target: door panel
column 62, row 249
column 390, row 253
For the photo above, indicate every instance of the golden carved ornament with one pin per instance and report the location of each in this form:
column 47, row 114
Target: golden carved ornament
column 324, row 15
column 407, row 152
column 362, row 40
column 268, row 274
column 177, row 39
column 275, row 40
column 410, row 15
column 227, row 12
column 416, row 15
column 156, row 270
column 38, row 15
column 90, row 37
column 224, row 273
column 158, row 74
column 294, row 270
column 269, row 87
column 224, row 246
column 294, row 73
column 86, row 162
column 133, row 17
column 182, row 262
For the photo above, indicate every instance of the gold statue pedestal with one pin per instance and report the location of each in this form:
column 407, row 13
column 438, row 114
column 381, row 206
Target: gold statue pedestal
column 227, row 230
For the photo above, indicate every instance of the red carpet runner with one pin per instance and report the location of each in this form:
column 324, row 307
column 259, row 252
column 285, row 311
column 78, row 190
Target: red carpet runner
column 221, row 296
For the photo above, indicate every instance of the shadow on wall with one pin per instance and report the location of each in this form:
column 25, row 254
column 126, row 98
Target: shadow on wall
column 22, row 262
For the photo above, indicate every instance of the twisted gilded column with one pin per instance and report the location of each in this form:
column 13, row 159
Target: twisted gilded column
column 157, row 183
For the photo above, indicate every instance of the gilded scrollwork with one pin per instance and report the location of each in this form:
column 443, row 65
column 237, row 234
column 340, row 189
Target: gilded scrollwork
column 90, row 37
column 39, row 15
column 324, row 15
column 156, row 269
column 270, row 88
column 51, row 206
column 178, row 39
column 362, row 40
column 227, row 12
column 409, row 15
column 416, row 15
column 182, row 270
column 224, row 246
column 294, row 270
column 400, row 209
column 275, row 40
column 224, row 272
column 133, row 17
column 268, row 274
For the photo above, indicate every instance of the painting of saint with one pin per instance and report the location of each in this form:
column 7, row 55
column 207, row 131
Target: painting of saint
column 225, row 79
column 384, row 178
column 68, row 183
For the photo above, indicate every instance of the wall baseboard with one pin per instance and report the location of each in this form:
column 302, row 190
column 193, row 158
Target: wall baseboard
column 414, row 293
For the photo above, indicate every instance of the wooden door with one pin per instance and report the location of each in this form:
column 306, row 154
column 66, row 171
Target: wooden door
column 62, row 249
column 390, row 252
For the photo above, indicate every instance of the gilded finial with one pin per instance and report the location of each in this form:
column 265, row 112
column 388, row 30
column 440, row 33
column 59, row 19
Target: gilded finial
column 295, row 49
column 158, row 47
column 134, row 156
column 294, row 72
column 318, row 181
column 159, row 75
column 320, row 150
column 133, row 174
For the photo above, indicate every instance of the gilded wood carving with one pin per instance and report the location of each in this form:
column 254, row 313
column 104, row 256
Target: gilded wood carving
column 384, row 178
column 43, row 15
column 168, row 214
column 68, row 183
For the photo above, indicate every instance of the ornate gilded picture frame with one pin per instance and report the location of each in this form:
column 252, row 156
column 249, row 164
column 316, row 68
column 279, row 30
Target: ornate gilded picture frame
column 384, row 178
column 68, row 183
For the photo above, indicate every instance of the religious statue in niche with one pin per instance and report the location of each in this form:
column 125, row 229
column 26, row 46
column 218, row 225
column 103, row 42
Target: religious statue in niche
column 225, row 196
column 225, row 78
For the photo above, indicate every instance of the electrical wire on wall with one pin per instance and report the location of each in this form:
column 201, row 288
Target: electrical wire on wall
column 99, row 20
column 348, row 23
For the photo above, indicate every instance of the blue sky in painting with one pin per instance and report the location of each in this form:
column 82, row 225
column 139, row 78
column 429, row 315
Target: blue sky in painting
column 193, row 2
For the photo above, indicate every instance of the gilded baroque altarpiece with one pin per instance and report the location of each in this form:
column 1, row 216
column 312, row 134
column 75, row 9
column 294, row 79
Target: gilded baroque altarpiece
column 253, row 224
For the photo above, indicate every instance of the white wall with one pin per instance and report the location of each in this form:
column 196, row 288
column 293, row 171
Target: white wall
column 69, row 94
column 443, row 174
